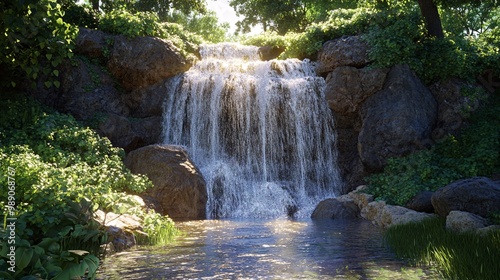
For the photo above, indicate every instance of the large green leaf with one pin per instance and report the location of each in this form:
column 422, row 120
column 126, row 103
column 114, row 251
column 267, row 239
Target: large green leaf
column 23, row 257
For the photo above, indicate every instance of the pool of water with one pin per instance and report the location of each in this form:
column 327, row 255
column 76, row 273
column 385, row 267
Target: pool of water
column 265, row 249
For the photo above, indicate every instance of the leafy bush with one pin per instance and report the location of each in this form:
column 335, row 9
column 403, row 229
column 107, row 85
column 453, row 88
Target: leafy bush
column 457, row 256
column 475, row 152
column 63, row 172
column 130, row 24
column 34, row 41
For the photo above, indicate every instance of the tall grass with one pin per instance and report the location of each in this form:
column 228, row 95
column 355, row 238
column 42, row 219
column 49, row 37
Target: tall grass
column 456, row 256
column 158, row 230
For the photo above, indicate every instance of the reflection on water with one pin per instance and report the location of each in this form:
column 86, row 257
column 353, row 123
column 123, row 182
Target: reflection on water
column 263, row 249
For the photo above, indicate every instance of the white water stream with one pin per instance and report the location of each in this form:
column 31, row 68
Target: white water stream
column 260, row 132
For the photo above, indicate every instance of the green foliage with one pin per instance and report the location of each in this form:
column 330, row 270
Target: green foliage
column 130, row 24
column 160, row 230
column 63, row 173
column 457, row 256
column 204, row 25
column 34, row 40
column 475, row 152
column 59, row 254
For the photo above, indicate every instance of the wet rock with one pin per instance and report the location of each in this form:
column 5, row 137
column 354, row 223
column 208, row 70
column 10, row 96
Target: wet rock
column 479, row 195
column 397, row 120
column 178, row 184
column 344, row 51
column 421, row 202
column 460, row 221
column 335, row 209
column 270, row 52
column 360, row 198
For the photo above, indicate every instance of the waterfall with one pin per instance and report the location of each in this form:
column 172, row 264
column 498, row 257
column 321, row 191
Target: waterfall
column 260, row 132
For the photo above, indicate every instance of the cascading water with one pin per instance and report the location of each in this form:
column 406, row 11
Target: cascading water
column 260, row 131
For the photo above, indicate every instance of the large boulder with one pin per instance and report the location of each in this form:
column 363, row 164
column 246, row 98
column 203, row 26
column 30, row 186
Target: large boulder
column 178, row 184
column 333, row 208
column 396, row 120
column 460, row 221
column 347, row 87
column 479, row 195
column 344, row 51
column 144, row 61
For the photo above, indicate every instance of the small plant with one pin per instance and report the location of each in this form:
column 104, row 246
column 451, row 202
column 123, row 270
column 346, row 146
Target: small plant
column 158, row 229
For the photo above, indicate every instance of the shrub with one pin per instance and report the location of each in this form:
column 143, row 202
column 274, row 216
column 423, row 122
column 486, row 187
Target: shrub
column 63, row 172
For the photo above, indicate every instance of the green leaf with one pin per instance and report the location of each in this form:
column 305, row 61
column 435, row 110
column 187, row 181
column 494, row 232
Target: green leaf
column 48, row 84
column 56, row 73
column 57, row 84
column 23, row 257
column 48, row 56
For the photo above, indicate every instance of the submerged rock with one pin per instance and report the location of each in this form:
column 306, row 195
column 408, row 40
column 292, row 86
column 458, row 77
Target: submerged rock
column 333, row 208
column 179, row 187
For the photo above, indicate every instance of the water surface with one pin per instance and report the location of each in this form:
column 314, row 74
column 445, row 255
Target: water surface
column 265, row 249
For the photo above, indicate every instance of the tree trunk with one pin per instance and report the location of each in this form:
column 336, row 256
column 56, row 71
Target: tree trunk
column 431, row 17
column 95, row 5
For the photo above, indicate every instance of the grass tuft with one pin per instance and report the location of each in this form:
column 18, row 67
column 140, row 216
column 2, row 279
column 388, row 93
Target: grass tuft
column 456, row 256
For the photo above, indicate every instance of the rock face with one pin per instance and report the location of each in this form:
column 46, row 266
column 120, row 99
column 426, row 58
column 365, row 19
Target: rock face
column 385, row 215
column 460, row 221
column 335, row 209
column 347, row 87
column 92, row 43
column 396, row 120
column 479, row 195
column 453, row 105
column 179, row 187
column 345, row 51
column 118, row 85
column 144, row 61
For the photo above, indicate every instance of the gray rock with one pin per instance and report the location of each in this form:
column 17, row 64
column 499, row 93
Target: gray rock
column 178, row 184
column 270, row 52
column 421, row 202
column 130, row 133
column 460, row 221
column 347, row 87
column 93, row 43
column 332, row 208
column 479, row 195
column 345, row 51
column 397, row 120
column 144, row 61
